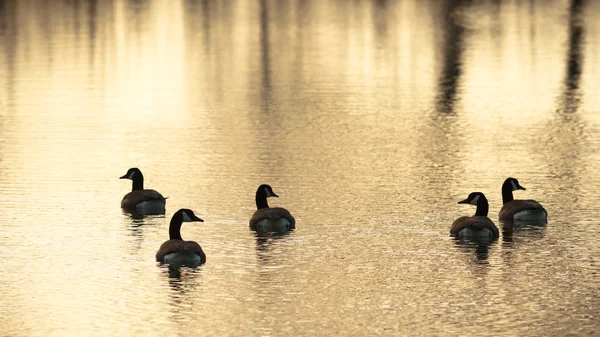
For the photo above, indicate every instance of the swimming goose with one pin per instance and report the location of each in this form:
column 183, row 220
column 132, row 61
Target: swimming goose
column 523, row 210
column 267, row 219
column 478, row 226
column 175, row 252
column 139, row 199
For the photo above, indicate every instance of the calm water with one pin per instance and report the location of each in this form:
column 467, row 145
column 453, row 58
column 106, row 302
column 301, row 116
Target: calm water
column 370, row 119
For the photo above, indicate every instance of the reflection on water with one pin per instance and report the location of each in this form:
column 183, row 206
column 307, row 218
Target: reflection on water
column 452, row 32
column 574, row 59
column 512, row 231
column 479, row 250
column 371, row 117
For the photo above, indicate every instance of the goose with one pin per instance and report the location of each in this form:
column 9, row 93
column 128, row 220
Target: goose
column 267, row 219
column 478, row 226
column 139, row 199
column 523, row 210
column 176, row 252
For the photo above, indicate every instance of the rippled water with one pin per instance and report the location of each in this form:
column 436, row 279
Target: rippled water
column 371, row 120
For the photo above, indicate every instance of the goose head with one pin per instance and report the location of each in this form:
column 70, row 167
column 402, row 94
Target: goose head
column 132, row 174
column 513, row 184
column 474, row 198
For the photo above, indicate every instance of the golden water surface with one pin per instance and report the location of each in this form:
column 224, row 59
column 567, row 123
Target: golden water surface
column 370, row 119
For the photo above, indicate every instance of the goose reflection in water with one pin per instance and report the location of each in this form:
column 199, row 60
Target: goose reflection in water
column 481, row 249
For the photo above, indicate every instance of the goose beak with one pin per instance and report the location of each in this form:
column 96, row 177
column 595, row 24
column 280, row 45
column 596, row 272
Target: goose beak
column 466, row 201
column 197, row 219
column 274, row 195
column 123, row 177
column 521, row 188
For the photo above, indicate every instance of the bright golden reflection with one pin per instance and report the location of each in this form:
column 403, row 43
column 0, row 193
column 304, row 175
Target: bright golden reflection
column 371, row 120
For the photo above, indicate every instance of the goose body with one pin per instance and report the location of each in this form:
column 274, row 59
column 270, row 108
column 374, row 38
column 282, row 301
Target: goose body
column 477, row 227
column 519, row 210
column 176, row 252
column 140, row 200
column 267, row 219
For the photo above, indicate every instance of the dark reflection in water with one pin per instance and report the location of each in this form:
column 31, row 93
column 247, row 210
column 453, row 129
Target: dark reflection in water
column 202, row 11
column 264, row 242
column 510, row 231
column 481, row 250
column 92, row 27
column 566, row 132
column 265, row 55
column 9, row 32
column 452, row 32
column 136, row 217
column 180, row 278
column 137, row 227
column 572, row 96
column 441, row 148
column 381, row 10
column 137, row 220
column 183, row 282
column 521, row 239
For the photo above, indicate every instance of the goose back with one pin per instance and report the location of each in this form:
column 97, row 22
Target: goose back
column 135, row 198
column 531, row 209
column 473, row 223
column 274, row 213
column 179, row 246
